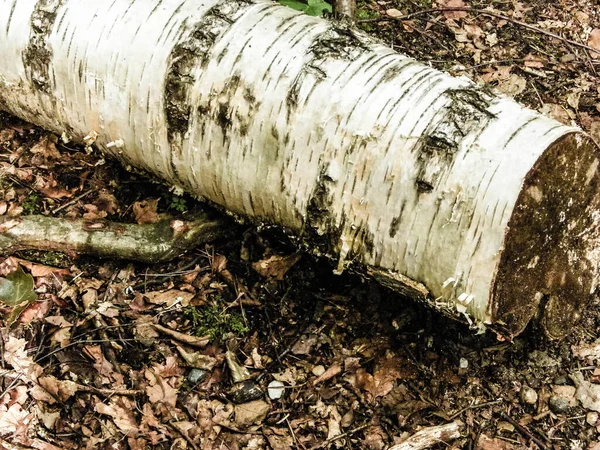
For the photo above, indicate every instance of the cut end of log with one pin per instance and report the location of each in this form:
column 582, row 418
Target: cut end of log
column 549, row 264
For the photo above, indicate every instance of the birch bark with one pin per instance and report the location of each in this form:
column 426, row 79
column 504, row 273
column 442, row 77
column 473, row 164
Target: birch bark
column 435, row 186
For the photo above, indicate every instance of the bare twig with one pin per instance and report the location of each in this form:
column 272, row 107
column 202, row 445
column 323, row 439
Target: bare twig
column 338, row 437
column 484, row 12
column 524, row 431
column 430, row 436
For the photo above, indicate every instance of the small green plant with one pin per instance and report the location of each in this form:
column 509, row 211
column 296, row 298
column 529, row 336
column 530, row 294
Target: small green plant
column 310, row 7
column 215, row 321
column 175, row 202
column 55, row 259
column 31, row 204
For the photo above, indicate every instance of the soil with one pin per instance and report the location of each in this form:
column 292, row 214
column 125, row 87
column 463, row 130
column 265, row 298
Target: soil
column 247, row 343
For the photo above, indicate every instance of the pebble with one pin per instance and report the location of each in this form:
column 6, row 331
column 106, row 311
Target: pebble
column 318, row 370
column 275, row 389
column 196, row 375
column 244, row 392
column 463, row 363
column 560, row 380
column 558, row 405
column 528, row 396
column 592, row 418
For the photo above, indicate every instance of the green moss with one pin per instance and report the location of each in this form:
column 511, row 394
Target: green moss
column 215, row 320
column 31, row 205
column 52, row 258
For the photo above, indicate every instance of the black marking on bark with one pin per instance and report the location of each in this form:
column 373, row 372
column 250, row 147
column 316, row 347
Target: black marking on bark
column 338, row 42
column 520, row 128
column 396, row 221
column 37, row 57
column 320, row 224
column 188, row 55
column 10, row 15
column 466, row 112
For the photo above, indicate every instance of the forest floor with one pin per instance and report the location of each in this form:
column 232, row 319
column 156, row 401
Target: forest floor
column 247, row 344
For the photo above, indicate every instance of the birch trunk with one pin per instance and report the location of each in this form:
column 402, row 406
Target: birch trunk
column 436, row 187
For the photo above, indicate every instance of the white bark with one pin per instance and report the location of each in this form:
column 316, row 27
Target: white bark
column 434, row 185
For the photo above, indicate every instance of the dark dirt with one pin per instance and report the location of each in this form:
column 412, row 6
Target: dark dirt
column 361, row 366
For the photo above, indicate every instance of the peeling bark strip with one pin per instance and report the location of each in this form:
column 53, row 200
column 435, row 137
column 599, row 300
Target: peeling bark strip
column 187, row 57
column 437, row 188
column 38, row 55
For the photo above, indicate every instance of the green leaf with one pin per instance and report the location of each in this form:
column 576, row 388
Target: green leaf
column 17, row 288
column 294, row 4
column 312, row 8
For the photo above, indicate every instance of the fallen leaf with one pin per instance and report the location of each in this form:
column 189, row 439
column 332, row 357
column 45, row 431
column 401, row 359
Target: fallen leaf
column 197, row 360
column 486, row 443
column 513, row 85
column 276, row 266
column 394, row 13
column 169, row 298
column 594, row 39
column 333, row 370
column 17, row 288
column 145, row 211
column 16, row 355
column 453, row 4
column 121, row 411
column 238, row 372
column 250, row 413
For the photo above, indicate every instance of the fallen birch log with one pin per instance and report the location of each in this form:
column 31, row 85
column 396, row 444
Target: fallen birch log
column 437, row 188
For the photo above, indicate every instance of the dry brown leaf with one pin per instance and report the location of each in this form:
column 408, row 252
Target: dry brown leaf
column 57, row 389
column 276, row 266
column 197, row 359
column 14, row 418
column 120, row 410
column 453, row 4
column 594, row 39
column 169, row 298
column 46, row 147
column 145, row 211
column 35, row 311
column 16, row 355
column 101, row 364
column 250, row 413
column 159, row 389
column 393, row 13
column 486, row 443
column 40, row 270
column 58, row 321
column 556, row 112
column 534, row 61
column 333, row 370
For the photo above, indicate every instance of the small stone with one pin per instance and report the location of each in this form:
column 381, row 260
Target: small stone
column 275, row 389
column 560, row 380
column 196, row 376
column 244, row 392
column 318, row 370
column 558, row 405
column 394, row 13
column 463, row 363
column 592, row 418
column 528, row 396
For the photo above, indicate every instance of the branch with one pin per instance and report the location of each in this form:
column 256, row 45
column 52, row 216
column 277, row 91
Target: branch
column 160, row 241
column 431, row 436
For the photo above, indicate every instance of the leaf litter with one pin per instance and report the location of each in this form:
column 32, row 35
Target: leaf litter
column 246, row 345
